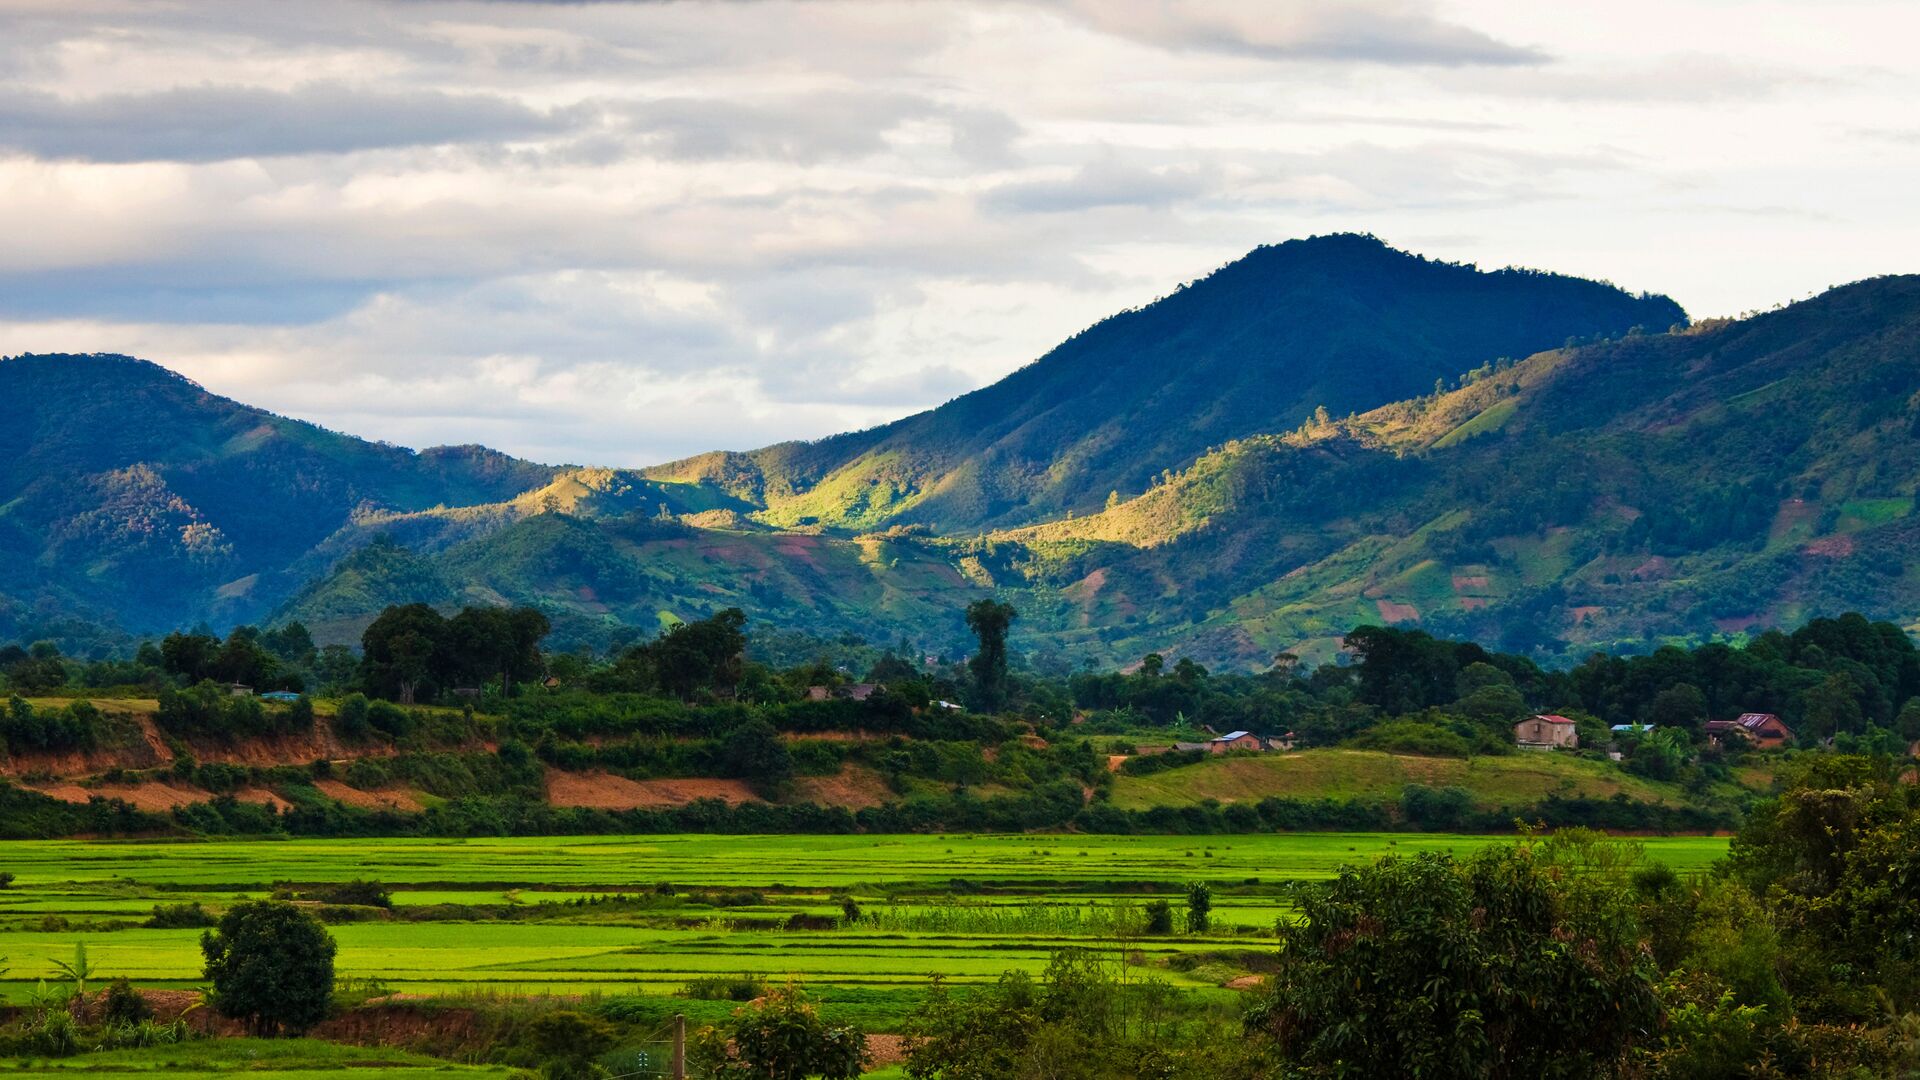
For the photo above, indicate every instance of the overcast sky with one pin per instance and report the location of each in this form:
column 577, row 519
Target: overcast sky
column 624, row 232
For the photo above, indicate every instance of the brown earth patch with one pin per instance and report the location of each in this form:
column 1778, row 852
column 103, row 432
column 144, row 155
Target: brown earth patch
column 155, row 798
column 887, row 1049
column 604, row 791
column 1584, row 613
column 381, row 799
column 263, row 797
column 1246, row 982
column 1463, row 582
column 1394, row 612
column 1831, row 547
column 1656, row 567
column 1114, row 761
column 1473, row 603
column 1736, row 624
column 855, row 787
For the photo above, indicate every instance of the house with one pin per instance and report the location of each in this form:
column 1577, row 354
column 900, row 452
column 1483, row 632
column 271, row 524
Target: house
column 1760, row 729
column 239, row 689
column 550, row 683
column 1546, row 732
column 1185, row 746
column 949, row 706
column 859, row 691
column 818, row 693
column 1235, row 740
column 1629, row 729
column 1278, row 742
column 280, row 695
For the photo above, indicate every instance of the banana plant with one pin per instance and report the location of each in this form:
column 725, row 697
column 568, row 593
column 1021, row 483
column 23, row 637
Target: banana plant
column 76, row 973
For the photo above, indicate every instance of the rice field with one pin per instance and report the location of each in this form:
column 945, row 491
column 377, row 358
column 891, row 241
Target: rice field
column 502, row 917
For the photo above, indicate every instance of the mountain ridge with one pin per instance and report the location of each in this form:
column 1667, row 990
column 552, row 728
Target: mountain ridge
column 1629, row 489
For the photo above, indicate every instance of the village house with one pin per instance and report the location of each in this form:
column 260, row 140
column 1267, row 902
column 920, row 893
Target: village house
column 1546, row 732
column 1235, row 740
column 1760, row 729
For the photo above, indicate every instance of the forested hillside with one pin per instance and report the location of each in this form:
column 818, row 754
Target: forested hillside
column 1646, row 485
column 1732, row 476
column 130, row 492
column 1342, row 323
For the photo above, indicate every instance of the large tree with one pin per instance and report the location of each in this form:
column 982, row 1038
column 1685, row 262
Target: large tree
column 271, row 965
column 404, row 652
column 486, row 642
column 989, row 620
column 1499, row 967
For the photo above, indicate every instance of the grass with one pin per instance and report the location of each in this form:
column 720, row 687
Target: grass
column 1515, row 780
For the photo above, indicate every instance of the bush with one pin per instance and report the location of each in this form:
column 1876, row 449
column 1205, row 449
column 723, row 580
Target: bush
column 180, row 917
column 362, row 893
column 725, row 988
column 124, row 1005
column 782, row 1038
column 1432, row 967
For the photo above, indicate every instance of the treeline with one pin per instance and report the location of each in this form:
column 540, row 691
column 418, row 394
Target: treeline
column 499, row 795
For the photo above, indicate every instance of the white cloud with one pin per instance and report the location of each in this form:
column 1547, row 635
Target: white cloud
column 628, row 231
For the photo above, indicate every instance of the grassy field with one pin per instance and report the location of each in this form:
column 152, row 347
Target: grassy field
column 965, row 907
column 1514, row 780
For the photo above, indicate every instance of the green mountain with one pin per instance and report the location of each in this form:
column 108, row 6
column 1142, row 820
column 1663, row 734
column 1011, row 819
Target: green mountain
column 1641, row 486
column 1343, row 323
column 1708, row 481
column 130, row 491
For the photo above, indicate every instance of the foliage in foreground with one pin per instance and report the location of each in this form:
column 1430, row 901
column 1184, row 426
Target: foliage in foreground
column 271, row 965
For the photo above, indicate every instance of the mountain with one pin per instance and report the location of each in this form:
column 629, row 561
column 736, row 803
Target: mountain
column 1730, row 476
column 128, row 490
column 1617, row 491
column 1341, row 322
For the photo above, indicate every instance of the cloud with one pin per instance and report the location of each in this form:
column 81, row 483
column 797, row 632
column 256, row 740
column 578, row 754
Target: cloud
column 806, row 128
column 218, row 123
column 1101, row 184
column 1379, row 31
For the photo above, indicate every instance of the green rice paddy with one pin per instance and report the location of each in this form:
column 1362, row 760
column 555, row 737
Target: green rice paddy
column 499, row 921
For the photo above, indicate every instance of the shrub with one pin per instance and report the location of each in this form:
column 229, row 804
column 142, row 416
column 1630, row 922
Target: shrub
column 124, row 1005
column 189, row 916
column 781, row 1038
column 1432, row 967
column 725, row 988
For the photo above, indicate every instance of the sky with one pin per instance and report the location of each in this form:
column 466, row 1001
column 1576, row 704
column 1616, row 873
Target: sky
column 622, row 233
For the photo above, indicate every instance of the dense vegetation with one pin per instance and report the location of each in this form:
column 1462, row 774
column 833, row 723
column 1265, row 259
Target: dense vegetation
column 999, row 741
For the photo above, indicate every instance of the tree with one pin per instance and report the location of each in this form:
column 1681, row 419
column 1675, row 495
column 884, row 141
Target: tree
column 1434, row 968
column 486, row 642
column 754, row 752
column 703, row 655
column 1199, row 907
column 780, row 1037
column 989, row 620
column 1680, row 707
column 403, row 651
column 271, row 965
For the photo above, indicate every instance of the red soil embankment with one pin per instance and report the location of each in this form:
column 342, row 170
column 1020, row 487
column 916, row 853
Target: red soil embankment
column 605, row 791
